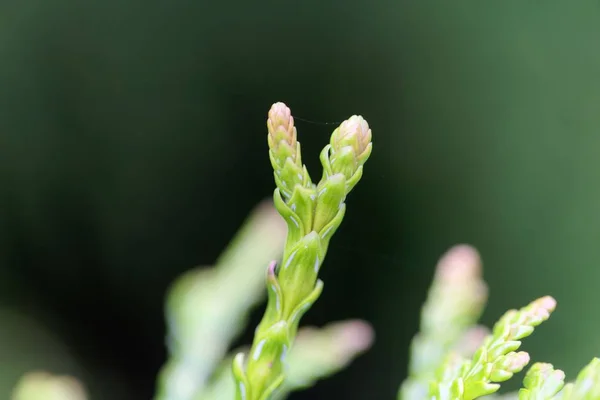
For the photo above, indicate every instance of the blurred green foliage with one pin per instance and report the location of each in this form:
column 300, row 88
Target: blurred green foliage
column 128, row 127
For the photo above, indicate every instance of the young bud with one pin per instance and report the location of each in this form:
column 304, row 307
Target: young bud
column 507, row 365
column 284, row 151
column 354, row 133
column 282, row 131
column 542, row 381
column 515, row 325
column 349, row 149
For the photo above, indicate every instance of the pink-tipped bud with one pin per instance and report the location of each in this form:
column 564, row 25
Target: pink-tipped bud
column 515, row 362
column 355, row 336
column 460, row 269
column 336, row 344
column 539, row 310
column 280, row 124
column 546, row 305
column 355, row 133
column 546, row 371
column 460, row 263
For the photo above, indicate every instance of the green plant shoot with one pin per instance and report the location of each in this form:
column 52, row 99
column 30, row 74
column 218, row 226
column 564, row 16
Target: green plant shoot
column 312, row 212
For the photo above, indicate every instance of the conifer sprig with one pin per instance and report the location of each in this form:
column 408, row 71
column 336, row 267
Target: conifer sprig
column 454, row 303
column 586, row 386
column 497, row 359
column 542, row 382
column 312, row 213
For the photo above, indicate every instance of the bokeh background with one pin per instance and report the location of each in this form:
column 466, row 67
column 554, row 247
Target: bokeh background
column 133, row 145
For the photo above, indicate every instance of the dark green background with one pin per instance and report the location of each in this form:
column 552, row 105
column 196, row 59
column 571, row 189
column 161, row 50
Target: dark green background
column 133, row 144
